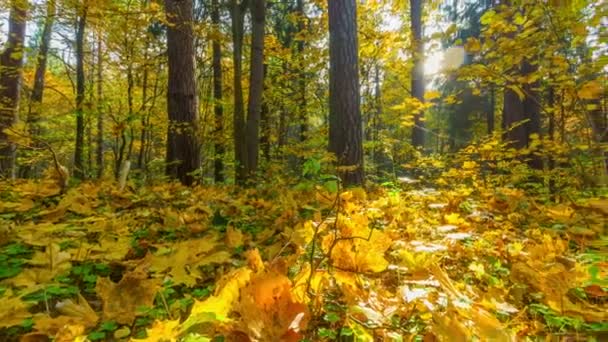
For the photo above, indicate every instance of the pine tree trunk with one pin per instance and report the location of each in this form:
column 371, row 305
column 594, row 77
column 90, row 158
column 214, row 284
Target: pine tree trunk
column 183, row 155
column 417, row 70
column 256, row 85
column 345, row 130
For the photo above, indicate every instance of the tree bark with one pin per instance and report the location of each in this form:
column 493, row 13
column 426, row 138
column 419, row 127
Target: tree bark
column 256, row 85
column 183, row 155
column 39, row 75
column 345, row 129
column 11, row 69
column 417, row 70
column 79, row 171
column 300, row 45
column 240, row 153
column 521, row 116
column 217, row 95
column 100, row 116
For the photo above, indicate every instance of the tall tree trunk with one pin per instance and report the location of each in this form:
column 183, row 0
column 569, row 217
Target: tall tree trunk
column 300, row 45
column 256, row 84
column 183, row 155
column 240, row 153
column 38, row 87
column 100, row 116
column 491, row 111
column 521, row 116
column 417, row 70
column 218, row 104
column 345, row 130
column 265, row 123
column 144, row 98
column 11, row 69
column 80, row 93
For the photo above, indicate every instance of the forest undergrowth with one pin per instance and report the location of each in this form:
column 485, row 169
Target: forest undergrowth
column 293, row 262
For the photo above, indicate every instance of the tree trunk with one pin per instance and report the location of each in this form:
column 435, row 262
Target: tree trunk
column 256, row 85
column 80, row 93
column 521, row 116
column 237, row 14
column 11, row 69
column 38, row 87
column 345, row 130
column 100, row 118
column 183, row 155
column 417, row 70
column 217, row 95
column 490, row 114
column 302, row 105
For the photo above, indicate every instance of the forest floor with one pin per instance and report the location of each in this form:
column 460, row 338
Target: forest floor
column 395, row 263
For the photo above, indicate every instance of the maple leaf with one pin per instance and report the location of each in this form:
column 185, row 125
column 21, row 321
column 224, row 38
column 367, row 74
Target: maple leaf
column 268, row 310
column 218, row 306
column 165, row 330
column 121, row 300
column 13, row 312
column 183, row 259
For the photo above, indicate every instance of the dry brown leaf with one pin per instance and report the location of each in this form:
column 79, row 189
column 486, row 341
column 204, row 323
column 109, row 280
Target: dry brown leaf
column 121, row 301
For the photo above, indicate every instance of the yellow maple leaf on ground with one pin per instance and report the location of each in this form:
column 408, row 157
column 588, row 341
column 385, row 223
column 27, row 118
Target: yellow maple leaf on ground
column 13, row 311
column 182, row 259
column 218, row 306
column 121, row 300
column 161, row 330
column 358, row 247
column 268, row 310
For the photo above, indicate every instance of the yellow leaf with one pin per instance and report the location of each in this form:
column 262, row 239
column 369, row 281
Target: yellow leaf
column 431, row 95
column 121, row 300
column 517, row 91
column 234, row 237
column 473, row 45
column 590, row 90
column 218, row 306
column 161, row 330
column 13, row 312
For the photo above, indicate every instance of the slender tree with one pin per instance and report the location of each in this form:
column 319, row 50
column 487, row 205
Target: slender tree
column 80, row 93
column 11, row 69
column 38, row 87
column 237, row 12
column 217, row 95
column 417, row 70
column 256, row 85
column 183, row 155
column 345, row 127
column 100, row 115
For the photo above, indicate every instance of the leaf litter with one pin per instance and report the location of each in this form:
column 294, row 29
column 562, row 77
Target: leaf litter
column 171, row 263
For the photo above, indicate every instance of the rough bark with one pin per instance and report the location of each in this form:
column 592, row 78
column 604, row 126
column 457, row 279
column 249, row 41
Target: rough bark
column 237, row 13
column 256, row 85
column 183, row 155
column 345, row 129
column 11, row 69
column 417, row 70
column 79, row 171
